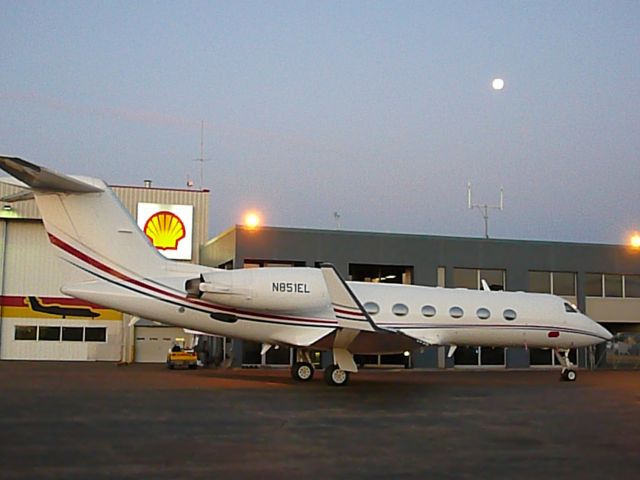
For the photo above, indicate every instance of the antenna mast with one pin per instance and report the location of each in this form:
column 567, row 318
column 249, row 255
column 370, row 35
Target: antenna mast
column 484, row 207
column 201, row 159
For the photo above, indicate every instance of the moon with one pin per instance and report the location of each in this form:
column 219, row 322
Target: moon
column 497, row 84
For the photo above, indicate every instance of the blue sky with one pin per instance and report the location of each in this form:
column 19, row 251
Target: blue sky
column 381, row 111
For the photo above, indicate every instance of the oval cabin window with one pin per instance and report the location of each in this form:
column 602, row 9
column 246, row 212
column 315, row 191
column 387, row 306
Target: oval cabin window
column 371, row 307
column 509, row 314
column 400, row 309
column 456, row 312
column 483, row 313
column 428, row 310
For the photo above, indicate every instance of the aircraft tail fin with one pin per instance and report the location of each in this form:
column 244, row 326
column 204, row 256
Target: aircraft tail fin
column 86, row 222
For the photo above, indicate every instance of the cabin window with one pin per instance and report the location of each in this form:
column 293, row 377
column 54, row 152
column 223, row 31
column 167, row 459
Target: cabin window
column 483, row 313
column 400, row 309
column 372, row 308
column 428, row 311
column 570, row 308
column 509, row 314
column 456, row 312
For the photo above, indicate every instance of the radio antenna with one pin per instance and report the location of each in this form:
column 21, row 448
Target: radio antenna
column 484, row 208
column 202, row 159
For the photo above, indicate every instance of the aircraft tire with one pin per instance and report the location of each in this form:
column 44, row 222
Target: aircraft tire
column 302, row 371
column 569, row 375
column 335, row 377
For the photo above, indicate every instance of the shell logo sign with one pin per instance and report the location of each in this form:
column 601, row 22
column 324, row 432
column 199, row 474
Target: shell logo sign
column 165, row 230
column 168, row 227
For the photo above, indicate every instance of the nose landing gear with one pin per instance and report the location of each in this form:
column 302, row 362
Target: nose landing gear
column 568, row 373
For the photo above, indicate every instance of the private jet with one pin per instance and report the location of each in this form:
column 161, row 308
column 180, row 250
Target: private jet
column 109, row 261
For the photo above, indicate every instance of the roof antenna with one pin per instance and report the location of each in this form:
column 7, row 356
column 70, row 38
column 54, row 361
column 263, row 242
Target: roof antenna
column 336, row 217
column 484, row 207
column 202, row 159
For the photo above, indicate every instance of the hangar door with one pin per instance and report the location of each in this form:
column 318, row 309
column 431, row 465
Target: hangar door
column 153, row 343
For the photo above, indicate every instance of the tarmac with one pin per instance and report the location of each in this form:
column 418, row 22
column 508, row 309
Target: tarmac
column 99, row 421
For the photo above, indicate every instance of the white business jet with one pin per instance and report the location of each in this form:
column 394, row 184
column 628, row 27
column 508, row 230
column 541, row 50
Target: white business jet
column 110, row 262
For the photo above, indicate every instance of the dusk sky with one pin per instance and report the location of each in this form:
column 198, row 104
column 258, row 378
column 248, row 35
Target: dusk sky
column 381, row 111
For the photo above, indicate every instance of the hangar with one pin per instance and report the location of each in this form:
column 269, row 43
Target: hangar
column 37, row 322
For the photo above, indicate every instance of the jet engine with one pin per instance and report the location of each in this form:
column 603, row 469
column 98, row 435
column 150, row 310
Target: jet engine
column 268, row 289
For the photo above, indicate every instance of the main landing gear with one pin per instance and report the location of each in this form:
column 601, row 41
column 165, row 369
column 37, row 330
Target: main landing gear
column 568, row 374
column 335, row 377
column 302, row 369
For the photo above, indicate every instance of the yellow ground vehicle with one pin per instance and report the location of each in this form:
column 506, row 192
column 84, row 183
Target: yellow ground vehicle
column 182, row 358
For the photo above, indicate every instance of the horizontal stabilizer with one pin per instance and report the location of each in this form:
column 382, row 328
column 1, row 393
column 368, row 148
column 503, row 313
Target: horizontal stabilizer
column 43, row 179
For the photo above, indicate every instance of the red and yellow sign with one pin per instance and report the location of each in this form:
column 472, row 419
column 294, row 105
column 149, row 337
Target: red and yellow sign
column 18, row 306
column 168, row 227
column 165, row 230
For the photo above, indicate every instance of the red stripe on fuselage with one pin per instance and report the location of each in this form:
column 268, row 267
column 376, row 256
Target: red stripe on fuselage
column 105, row 268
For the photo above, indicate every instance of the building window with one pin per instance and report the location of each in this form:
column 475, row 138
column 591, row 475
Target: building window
column 428, row 311
column 49, row 333
column 372, row 308
column 564, row 283
column 612, row 285
column 72, row 334
column 472, row 278
column 465, row 278
column 632, row 286
column 494, row 278
column 509, row 314
column 483, row 313
column 380, row 273
column 456, row 312
column 400, row 309
column 271, row 264
column 557, row 283
column 540, row 282
column 593, row 284
column 25, row 332
column 95, row 334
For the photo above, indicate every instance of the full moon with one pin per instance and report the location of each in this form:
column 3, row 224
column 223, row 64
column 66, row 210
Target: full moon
column 497, row 84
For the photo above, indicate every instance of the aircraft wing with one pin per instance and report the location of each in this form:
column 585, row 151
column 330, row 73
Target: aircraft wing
column 423, row 337
column 348, row 310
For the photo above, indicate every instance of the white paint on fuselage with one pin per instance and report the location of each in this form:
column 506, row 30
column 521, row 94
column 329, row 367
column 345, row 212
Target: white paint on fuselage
column 537, row 316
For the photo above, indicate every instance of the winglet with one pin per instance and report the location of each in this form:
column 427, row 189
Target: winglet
column 348, row 310
column 43, row 179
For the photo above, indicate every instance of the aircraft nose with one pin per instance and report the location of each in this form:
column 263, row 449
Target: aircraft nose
column 604, row 332
column 599, row 330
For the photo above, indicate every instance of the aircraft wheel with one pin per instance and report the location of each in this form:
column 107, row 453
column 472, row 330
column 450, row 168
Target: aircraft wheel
column 569, row 375
column 335, row 377
column 302, row 371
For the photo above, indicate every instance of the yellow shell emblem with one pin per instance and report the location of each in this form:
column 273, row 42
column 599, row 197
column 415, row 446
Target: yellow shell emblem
column 165, row 230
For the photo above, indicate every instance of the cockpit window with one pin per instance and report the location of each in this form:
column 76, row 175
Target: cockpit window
column 570, row 308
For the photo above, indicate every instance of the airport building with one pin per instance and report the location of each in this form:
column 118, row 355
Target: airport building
column 601, row 280
column 37, row 322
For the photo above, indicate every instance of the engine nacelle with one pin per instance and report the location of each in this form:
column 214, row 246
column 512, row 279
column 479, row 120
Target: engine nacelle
column 269, row 289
